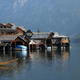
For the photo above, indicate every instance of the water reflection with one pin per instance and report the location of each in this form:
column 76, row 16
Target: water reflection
column 58, row 54
column 33, row 60
column 51, row 55
column 62, row 54
column 12, row 69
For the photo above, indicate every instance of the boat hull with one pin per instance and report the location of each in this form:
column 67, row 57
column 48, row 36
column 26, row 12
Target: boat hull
column 21, row 48
column 21, row 51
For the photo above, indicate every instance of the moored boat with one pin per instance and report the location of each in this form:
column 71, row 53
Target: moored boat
column 21, row 48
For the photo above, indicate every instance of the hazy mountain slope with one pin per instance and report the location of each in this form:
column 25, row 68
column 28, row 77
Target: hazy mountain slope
column 47, row 15
column 76, row 38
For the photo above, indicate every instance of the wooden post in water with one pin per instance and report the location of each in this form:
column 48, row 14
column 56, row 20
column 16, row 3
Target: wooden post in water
column 4, row 50
column 10, row 51
column 45, row 45
column 51, row 47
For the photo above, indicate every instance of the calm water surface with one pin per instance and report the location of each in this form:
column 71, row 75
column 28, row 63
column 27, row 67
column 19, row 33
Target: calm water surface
column 64, row 65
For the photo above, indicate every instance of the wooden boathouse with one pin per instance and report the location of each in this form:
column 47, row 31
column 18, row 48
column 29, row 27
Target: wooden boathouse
column 42, row 40
column 60, row 41
column 12, row 35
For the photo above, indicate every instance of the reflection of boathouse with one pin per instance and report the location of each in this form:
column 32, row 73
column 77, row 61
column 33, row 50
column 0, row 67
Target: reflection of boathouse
column 11, row 35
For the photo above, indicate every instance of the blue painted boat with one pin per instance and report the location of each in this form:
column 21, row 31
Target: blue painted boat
column 21, row 51
column 21, row 48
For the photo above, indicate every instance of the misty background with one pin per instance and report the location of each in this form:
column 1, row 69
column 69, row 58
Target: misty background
column 61, row 16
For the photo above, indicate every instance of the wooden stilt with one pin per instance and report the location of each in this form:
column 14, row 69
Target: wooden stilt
column 10, row 51
column 4, row 50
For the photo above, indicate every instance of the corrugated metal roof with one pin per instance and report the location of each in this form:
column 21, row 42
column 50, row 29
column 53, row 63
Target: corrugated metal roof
column 40, row 35
column 7, row 38
column 7, row 30
column 12, row 38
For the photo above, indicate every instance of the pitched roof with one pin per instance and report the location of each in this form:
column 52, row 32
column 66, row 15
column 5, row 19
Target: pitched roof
column 24, row 38
column 21, row 28
column 7, row 25
column 40, row 35
column 10, row 27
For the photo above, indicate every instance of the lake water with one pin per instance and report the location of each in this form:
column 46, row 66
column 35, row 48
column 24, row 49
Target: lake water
column 64, row 65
